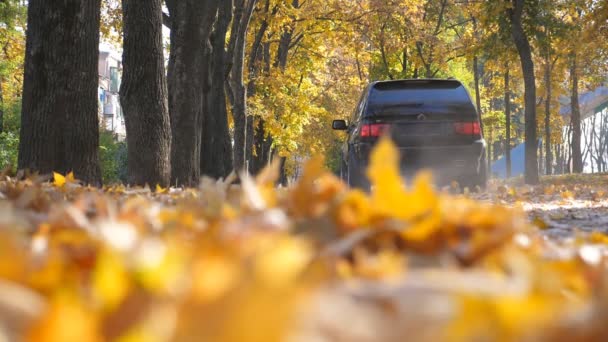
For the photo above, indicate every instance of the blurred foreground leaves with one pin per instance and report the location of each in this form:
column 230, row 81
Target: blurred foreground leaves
column 315, row 262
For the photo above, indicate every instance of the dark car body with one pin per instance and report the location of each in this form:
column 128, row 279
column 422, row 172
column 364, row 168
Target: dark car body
column 433, row 122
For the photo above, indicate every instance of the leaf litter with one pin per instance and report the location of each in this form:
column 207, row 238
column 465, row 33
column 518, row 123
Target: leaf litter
column 313, row 262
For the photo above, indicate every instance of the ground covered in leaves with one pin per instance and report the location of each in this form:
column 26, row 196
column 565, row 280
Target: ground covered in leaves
column 562, row 205
column 315, row 262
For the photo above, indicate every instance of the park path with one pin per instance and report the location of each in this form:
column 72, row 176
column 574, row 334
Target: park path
column 560, row 205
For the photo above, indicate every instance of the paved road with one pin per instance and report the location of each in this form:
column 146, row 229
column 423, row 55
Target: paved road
column 562, row 219
column 560, row 209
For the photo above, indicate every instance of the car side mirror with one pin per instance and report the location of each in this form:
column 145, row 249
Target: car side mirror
column 339, row 125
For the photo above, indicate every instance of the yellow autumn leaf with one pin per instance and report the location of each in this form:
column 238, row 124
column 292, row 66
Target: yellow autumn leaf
column 385, row 265
column 110, row 280
column 160, row 189
column 388, row 196
column 158, row 267
column 567, row 194
column 598, row 237
column 70, row 177
column 66, row 320
column 58, row 179
column 213, row 276
column 353, row 211
column 280, row 265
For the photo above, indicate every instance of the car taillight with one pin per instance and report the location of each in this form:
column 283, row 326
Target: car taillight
column 373, row 130
column 467, row 128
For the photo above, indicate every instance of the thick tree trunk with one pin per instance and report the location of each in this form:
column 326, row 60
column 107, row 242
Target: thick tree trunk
column 255, row 124
column 508, row 123
column 281, row 63
column 242, row 15
column 283, row 172
column 249, row 141
column 283, row 49
column 191, row 23
column 263, row 144
column 59, row 122
column 548, row 156
column 216, row 149
column 527, row 66
column 263, row 140
column 577, row 156
column 143, row 93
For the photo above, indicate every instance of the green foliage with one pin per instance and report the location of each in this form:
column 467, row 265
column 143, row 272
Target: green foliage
column 12, row 48
column 333, row 158
column 9, row 147
column 12, row 116
column 112, row 155
column 9, row 138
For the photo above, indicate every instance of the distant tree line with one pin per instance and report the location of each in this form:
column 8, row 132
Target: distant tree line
column 252, row 80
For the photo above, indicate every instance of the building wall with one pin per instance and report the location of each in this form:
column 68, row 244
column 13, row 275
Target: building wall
column 111, row 116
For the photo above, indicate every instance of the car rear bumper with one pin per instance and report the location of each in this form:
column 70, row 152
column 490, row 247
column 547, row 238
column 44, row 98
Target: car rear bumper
column 446, row 162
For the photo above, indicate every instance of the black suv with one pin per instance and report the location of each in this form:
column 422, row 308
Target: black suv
column 432, row 121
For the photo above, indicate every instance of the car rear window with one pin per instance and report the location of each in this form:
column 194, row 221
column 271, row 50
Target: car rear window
column 410, row 97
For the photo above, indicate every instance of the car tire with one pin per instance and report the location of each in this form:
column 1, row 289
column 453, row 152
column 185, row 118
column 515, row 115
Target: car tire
column 356, row 174
column 343, row 171
column 481, row 180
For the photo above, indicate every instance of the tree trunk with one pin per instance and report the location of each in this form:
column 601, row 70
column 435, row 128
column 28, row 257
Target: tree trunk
column 243, row 11
column 569, row 153
column 283, row 172
column 508, row 122
column 143, row 94
column 59, row 122
column 476, row 76
column 249, row 141
column 255, row 125
column 216, row 147
column 527, row 66
column 263, row 144
column 548, row 156
column 263, row 140
column 283, row 49
column 191, row 23
column 560, row 164
column 577, row 156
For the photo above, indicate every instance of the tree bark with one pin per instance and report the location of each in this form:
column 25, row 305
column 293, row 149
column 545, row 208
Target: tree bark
column 256, row 126
column 263, row 144
column 59, row 121
column 387, row 68
column 264, row 141
column 577, row 156
column 527, row 65
column 191, row 24
column 242, row 16
column 508, row 122
column 143, row 94
column 285, row 43
column 216, row 147
column 477, row 76
column 548, row 156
